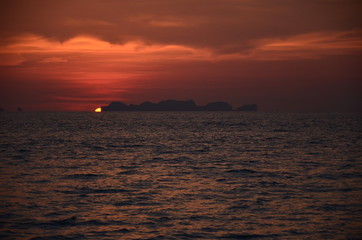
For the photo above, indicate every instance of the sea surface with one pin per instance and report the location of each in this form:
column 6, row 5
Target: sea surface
column 180, row 175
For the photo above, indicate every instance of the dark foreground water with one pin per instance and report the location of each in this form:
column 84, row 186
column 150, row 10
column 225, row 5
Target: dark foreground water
column 180, row 175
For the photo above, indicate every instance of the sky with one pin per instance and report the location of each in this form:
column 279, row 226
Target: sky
column 284, row 55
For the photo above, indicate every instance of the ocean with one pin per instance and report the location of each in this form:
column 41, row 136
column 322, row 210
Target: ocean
column 180, row 175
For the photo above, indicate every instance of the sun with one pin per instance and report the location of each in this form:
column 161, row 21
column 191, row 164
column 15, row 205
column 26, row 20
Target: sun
column 98, row 110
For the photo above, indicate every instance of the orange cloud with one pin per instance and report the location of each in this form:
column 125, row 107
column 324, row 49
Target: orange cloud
column 310, row 45
column 31, row 46
column 54, row 60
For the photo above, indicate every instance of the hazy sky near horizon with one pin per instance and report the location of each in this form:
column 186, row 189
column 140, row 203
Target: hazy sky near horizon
column 281, row 54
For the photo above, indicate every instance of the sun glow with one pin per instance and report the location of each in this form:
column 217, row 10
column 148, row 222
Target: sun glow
column 98, row 110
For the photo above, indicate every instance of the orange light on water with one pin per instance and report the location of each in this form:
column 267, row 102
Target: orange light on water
column 98, row 110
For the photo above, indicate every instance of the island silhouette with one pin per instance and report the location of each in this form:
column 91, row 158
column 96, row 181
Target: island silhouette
column 175, row 105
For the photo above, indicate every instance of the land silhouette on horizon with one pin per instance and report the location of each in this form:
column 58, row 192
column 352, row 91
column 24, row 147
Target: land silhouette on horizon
column 175, row 105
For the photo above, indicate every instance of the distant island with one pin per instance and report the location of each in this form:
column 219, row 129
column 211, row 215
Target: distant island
column 174, row 105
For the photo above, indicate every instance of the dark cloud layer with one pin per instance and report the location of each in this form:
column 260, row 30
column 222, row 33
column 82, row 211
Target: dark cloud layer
column 217, row 24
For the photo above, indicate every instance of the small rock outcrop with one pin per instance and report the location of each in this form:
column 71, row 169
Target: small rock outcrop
column 248, row 108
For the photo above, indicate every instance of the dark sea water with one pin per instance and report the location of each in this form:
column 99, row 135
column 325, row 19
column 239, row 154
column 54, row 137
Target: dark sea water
column 180, row 175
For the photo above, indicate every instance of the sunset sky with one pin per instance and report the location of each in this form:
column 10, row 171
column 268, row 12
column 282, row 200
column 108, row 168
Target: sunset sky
column 284, row 55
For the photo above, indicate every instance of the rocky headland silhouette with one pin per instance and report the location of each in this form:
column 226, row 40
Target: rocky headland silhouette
column 175, row 105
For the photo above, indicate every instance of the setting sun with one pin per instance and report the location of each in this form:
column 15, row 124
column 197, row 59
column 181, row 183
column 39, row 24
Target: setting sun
column 98, row 110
